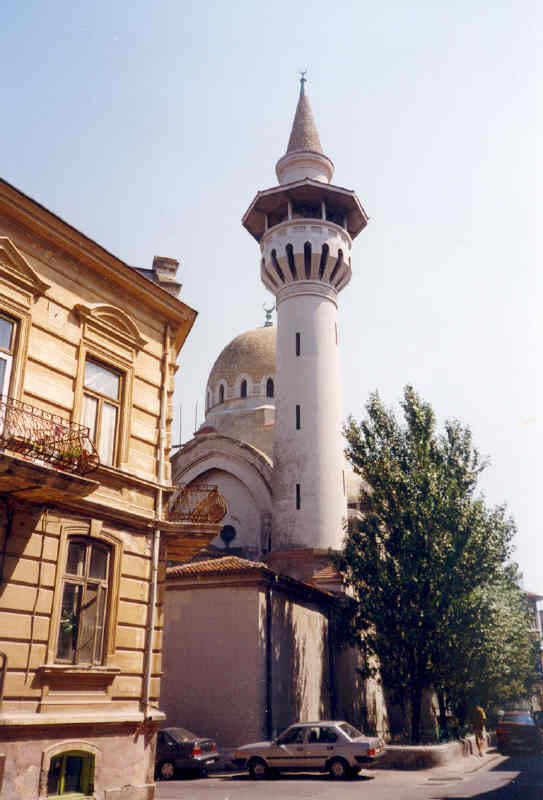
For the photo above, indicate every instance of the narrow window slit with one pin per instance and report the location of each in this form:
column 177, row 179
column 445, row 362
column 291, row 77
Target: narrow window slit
column 338, row 264
column 298, row 417
column 298, row 344
column 298, row 496
column 276, row 266
column 324, row 259
column 307, row 259
column 291, row 262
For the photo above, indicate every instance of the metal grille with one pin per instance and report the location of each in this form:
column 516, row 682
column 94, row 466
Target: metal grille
column 40, row 436
column 197, row 503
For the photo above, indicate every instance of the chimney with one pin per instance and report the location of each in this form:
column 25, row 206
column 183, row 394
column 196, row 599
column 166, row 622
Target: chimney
column 165, row 274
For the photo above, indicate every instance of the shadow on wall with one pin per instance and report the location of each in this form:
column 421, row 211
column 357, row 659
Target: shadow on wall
column 300, row 669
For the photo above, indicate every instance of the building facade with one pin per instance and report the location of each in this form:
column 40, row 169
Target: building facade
column 272, row 443
column 88, row 349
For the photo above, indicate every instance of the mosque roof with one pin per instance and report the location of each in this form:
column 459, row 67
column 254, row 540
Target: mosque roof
column 251, row 353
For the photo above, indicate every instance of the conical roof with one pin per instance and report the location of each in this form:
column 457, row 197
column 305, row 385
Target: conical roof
column 304, row 134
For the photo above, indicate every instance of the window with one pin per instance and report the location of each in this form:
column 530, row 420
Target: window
column 292, row 735
column 7, row 342
column 269, row 388
column 84, row 602
column 298, row 343
column 243, row 391
column 101, row 408
column 71, row 773
column 221, row 393
column 298, row 417
column 298, row 496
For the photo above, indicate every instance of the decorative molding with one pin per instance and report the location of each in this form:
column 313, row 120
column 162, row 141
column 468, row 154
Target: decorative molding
column 112, row 321
column 16, row 269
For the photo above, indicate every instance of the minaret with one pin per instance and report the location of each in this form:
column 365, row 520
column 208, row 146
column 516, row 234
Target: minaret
column 305, row 227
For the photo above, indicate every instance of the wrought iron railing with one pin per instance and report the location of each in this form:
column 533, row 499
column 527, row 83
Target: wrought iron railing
column 40, row 436
column 197, row 503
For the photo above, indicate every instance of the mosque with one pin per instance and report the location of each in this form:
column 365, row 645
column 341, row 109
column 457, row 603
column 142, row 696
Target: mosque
column 251, row 624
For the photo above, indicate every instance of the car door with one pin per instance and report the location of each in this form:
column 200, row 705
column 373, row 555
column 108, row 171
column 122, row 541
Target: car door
column 289, row 750
column 321, row 744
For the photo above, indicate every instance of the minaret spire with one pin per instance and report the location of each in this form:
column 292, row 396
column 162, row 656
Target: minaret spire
column 305, row 157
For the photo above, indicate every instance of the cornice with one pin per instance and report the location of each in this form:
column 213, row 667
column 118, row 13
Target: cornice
column 61, row 233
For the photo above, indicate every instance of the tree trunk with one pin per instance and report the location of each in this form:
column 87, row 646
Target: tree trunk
column 443, row 726
column 416, row 706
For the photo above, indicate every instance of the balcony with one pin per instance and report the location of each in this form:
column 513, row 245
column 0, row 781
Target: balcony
column 41, row 454
column 192, row 520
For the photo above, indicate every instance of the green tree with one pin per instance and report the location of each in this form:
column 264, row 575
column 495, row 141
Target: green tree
column 424, row 553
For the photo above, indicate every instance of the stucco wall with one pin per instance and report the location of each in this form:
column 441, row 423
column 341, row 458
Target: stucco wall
column 214, row 669
column 300, row 672
column 122, row 759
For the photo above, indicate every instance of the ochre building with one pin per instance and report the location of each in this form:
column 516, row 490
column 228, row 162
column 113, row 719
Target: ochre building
column 88, row 349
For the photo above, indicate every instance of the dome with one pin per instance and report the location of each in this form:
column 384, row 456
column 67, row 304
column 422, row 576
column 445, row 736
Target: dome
column 249, row 358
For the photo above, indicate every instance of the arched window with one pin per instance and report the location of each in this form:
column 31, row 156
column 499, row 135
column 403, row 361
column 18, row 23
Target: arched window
column 221, row 393
column 269, row 388
column 243, row 388
column 71, row 773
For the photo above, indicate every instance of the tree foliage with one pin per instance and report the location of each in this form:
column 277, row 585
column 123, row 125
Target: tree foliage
column 434, row 600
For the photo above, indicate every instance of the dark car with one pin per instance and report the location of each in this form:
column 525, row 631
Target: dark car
column 517, row 730
column 178, row 749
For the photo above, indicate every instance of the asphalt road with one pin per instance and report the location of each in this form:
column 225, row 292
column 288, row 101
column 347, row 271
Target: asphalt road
column 496, row 778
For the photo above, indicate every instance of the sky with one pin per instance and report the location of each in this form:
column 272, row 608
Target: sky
column 151, row 126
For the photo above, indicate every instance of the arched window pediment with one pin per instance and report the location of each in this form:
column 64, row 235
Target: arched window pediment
column 112, row 320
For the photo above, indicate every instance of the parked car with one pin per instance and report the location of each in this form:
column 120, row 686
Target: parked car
column 178, row 749
column 326, row 746
column 517, row 730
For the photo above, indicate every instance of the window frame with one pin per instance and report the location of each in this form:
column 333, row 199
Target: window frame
column 88, row 769
column 103, row 584
column 101, row 399
column 125, row 369
column 74, row 529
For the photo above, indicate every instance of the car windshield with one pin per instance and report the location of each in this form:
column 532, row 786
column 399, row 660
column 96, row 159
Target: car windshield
column 351, row 732
column 182, row 734
column 522, row 718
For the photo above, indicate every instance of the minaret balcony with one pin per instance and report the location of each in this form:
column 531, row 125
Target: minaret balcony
column 306, row 249
column 305, row 199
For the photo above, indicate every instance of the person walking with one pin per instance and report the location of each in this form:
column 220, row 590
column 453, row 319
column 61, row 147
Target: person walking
column 478, row 719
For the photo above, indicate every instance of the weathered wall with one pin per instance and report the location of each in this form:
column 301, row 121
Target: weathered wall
column 123, row 758
column 214, row 670
column 300, row 671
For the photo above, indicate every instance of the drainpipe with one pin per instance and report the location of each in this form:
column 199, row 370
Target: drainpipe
column 156, row 532
column 269, row 665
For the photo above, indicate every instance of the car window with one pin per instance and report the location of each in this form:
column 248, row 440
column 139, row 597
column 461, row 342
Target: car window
column 351, row 732
column 521, row 719
column 292, row 735
column 327, row 735
column 183, row 735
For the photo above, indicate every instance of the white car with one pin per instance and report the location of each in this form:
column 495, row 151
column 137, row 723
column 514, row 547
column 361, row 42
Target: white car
column 326, row 746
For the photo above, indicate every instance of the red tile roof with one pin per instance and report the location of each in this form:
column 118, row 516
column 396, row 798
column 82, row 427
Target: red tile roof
column 327, row 574
column 228, row 565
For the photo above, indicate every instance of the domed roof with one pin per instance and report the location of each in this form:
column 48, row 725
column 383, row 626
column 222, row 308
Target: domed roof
column 251, row 353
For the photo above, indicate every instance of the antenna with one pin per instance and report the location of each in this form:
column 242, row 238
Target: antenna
column 196, row 416
column 180, row 422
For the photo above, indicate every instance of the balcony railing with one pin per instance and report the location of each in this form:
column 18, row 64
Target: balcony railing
column 43, row 437
column 197, row 503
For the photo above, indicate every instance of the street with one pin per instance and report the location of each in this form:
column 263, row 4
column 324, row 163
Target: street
column 497, row 778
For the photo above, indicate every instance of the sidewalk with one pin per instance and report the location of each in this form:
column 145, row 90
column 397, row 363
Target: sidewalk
column 463, row 764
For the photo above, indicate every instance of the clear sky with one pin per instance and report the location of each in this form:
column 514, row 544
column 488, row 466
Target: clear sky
column 151, row 125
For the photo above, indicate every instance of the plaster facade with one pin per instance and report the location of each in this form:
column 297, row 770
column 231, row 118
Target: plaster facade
column 84, row 535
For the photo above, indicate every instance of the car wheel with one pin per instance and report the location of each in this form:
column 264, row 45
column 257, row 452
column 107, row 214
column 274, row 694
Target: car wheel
column 166, row 771
column 338, row 768
column 258, row 769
